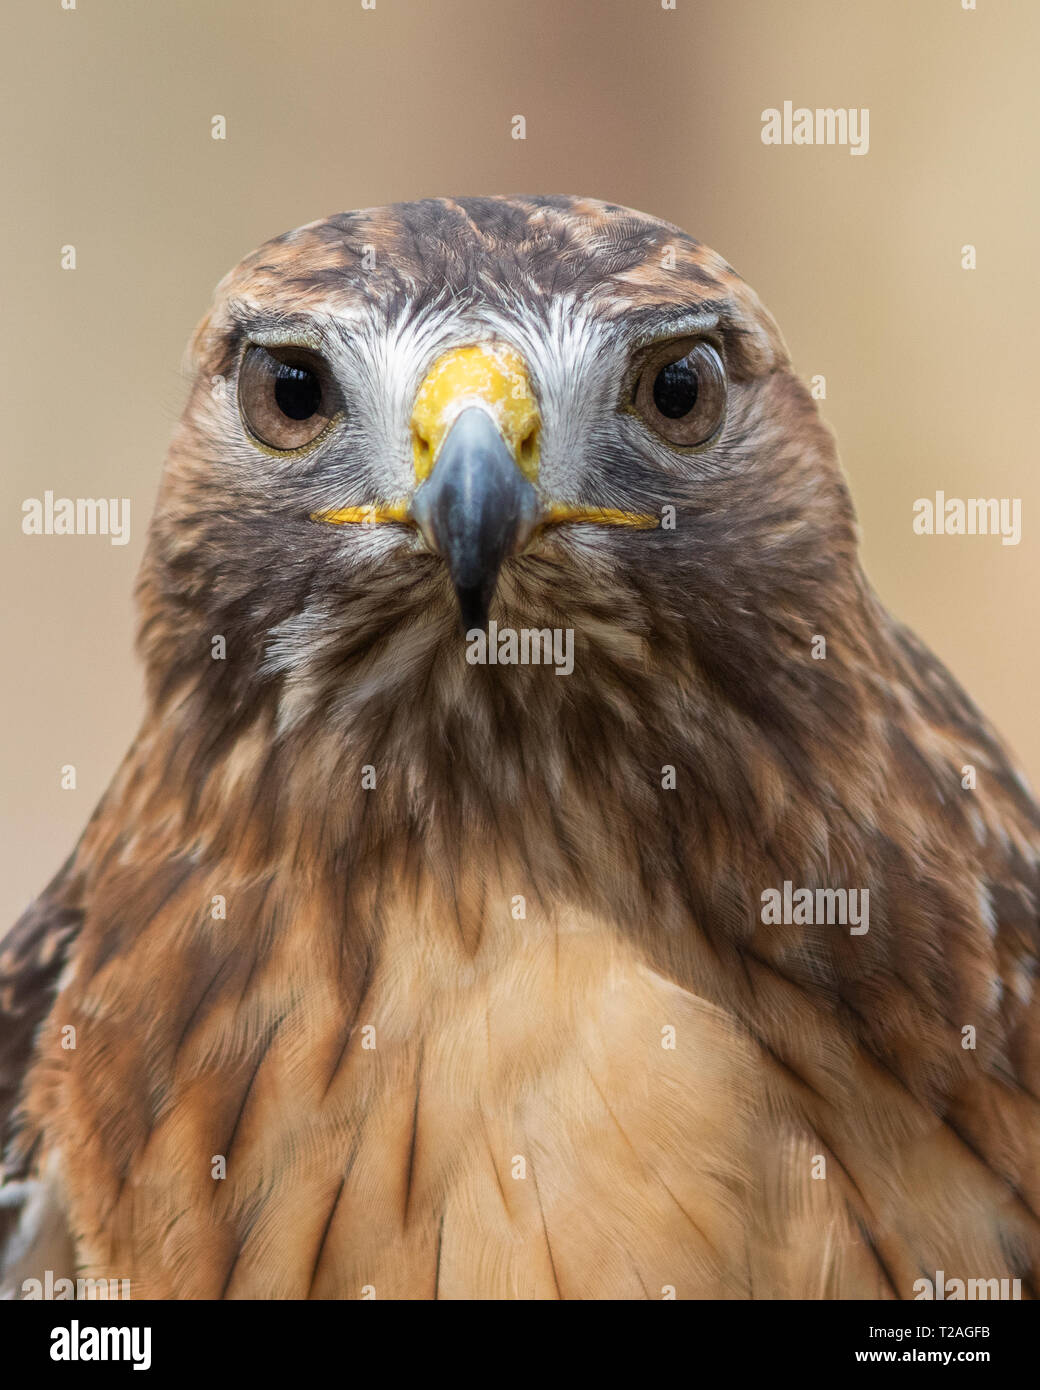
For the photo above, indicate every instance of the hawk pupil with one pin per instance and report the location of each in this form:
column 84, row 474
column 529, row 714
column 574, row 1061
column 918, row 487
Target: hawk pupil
column 675, row 389
column 297, row 392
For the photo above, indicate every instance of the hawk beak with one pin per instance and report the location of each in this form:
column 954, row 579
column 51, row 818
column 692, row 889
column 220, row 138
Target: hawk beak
column 475, row 509
column 475, row 433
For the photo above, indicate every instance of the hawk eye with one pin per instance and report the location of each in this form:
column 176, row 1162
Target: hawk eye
column 681, row 392
column 286, row 396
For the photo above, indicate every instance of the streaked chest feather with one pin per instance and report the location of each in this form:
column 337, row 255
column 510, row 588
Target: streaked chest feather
column 526, row 1113
column 466, row 1103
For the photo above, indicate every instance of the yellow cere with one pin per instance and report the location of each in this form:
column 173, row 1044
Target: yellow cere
column 491, row 375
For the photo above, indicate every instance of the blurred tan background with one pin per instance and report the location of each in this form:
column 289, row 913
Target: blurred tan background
column 931, row 370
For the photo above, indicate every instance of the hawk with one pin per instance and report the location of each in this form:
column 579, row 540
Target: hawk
column 400, row 961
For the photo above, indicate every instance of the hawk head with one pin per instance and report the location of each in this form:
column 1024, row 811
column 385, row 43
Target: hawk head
column 553, row 413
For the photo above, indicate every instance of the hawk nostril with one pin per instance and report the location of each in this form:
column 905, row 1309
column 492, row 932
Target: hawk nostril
column 525, row 452
column 422, row 454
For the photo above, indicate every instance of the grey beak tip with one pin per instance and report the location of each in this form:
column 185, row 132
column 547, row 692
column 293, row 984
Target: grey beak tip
column 474, row 608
